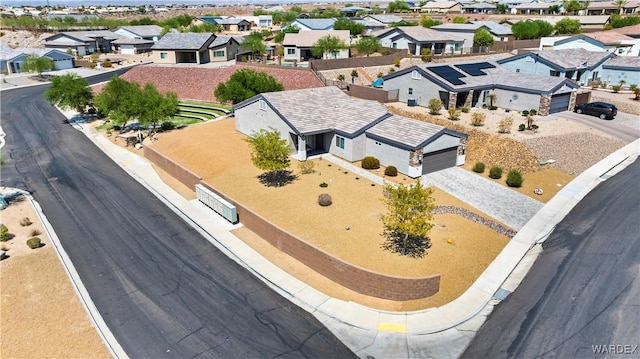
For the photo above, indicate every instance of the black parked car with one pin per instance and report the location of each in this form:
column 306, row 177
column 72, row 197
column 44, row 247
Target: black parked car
column 601, row 109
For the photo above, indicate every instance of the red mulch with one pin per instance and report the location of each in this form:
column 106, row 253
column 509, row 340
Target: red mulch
column 193, row 83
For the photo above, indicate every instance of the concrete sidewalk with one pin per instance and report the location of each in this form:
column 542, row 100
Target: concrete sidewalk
column 436, row 332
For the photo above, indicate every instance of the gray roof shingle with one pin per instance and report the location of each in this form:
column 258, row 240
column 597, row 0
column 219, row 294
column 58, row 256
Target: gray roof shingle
column 624, row 61
column 406, row 131
column 143, row 30
column 422, row 34
column 183, row 41
column 570, row 58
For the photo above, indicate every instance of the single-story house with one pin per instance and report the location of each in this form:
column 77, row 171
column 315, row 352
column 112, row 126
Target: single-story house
column 351, row 11
column 61, row 60
column 579, row 65
column 193, row 47
column 621, row 68
column 233, row 24
column 297, row 46
column 472, row 84
column 312, row 24
column 606, row 41
column 478, row 8
column 442, row 7
column 382, row 19
column 467, row 31
column 610, row 7
column 82, row 42
column 143, row 32
column 587, row 23
column 132, row 46
column 416, row 38
column 536, row 8
column 260, row 20
column 326, row 120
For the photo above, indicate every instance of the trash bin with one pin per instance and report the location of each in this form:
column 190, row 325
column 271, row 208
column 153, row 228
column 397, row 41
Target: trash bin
column 411, row 102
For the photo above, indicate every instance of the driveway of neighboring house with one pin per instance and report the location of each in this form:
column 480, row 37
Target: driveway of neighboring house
column 503, row 204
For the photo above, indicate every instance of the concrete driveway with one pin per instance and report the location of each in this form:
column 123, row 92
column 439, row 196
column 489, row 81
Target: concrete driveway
column 625, row 127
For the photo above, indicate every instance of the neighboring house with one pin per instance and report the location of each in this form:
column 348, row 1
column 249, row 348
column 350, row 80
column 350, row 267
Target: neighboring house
column 536, row 8
column 442, row 7
column 471, row 84
column 61, row 60
column 351, row 11
column 297, row 46
column 416, row 38
column 77, row 17
column 468, row 31
column 82, row 42
column 579, row 65
column 312, row 24
column 478, row 8
column 610, row 7
column 7, row 53
column 142, row 32
column 369, row 25
column 602, row 41
column 621, row 68
column 197, row 48
column 231, row 24
column 631, row 31
column 260, row 20
column 513, row 4
column 383, row 20
column 131, row 46
column 326, row 120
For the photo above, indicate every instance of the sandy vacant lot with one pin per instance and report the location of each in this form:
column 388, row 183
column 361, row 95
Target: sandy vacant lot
column 42, row 316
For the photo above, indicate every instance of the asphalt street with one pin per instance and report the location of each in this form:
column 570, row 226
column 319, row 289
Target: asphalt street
column 163, row 289
column 581, row 298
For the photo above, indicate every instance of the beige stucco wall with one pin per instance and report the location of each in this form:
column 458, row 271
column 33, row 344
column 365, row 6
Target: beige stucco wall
column 171, row 57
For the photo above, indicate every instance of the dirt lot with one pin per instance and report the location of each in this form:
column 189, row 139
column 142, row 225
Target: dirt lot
column 42, row 316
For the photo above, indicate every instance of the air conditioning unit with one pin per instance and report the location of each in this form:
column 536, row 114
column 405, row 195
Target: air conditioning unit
column 217, row 203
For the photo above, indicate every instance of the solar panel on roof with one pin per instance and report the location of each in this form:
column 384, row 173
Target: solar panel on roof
column 448, row 73
column 476, row 69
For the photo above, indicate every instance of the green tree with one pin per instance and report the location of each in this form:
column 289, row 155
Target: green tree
column 116, row 100
column 285, row 30
column 618, row 21
column 568, row 26
column 39, row 64
column 398, row 6
column 155, row 108
column 427, row 21
column 459, row 20
column 368, row 45
column 244, row 84
column 328, row 45
column 69, row 91
column 502, row 8
column 346, row 24
column 482, row 38
column 254, row 43
column 270, row 153
column 528, row 29
column 407, row 222
column 571, row 6
column 554, row 9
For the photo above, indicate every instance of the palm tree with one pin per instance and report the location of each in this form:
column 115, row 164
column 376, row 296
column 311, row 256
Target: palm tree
column 620, row 4
column 492, row 97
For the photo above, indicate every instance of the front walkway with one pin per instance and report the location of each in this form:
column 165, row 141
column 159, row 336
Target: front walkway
column 501, row 203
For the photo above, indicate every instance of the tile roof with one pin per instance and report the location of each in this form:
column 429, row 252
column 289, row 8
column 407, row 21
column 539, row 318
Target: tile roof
column 325, row 108
column 479, row 5
column 440, row 4
column 316, row 24
column 537, row 5
column 143, row 30
column 492, row 26
column 230, row 21
column 609, row 37
column 406, row 131
column 422, row 34
column 633, row 31
column 624, row 61
column 183, row 41
column 308, row 38
column 570, row 58
column 385, row 19
column 220, row 40
column 584, row 20
column 130, row 41
column 91, row 35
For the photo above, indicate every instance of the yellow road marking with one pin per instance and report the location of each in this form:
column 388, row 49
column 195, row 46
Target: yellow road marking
column 392, row 327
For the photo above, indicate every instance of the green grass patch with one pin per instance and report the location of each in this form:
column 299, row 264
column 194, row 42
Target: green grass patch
column 180, row 121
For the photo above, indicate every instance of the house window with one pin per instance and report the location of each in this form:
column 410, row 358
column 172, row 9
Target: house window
column 457, row 46
column 410, row 91
column 394, row 45
column 263, row 105
column 291, row 51
column 517, row 70
column 164, row 55
column 219, row 53
column 415, row 75
column 554, row 73
column 620, row 51
column 340, row 142
column 594, row 76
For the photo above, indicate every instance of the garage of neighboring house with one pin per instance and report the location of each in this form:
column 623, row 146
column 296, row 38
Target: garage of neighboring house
column 560, row 102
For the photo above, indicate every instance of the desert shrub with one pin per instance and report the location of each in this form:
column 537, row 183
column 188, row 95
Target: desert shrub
column 454, row 114
column 391, row 171
column 603, row 85
column 34, row 242
column 385, row 51
column 595, row 85
column 380, row 74
column 35, row 232
column 477, row 119
column 495, row 172
column 324, row 185
column 465, row 109
column 25, row 222
column 167, row 126
column 4, row 233
column 493, row 108
column 92, row 65
column 306, row 167
column 535, row 127
column 478, row 167
column 370, row 163
column 533, row 112
column 525, row 113
column 505, row 125
column 392, row 70
column 396, row 62
column 616, row 88
column 514, row 178
column 324, row 200
column 107, row 63
column 435, row 105
column 94, row 57
column 521, row 127
column 426, row 55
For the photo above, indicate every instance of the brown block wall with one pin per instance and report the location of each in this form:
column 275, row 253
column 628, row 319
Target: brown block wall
column 173, row 168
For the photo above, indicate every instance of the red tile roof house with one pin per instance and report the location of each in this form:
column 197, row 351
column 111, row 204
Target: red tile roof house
column 324, row 120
